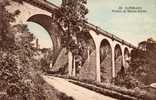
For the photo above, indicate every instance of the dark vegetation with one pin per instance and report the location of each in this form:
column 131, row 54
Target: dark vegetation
column 19, row 70
column 142, row 70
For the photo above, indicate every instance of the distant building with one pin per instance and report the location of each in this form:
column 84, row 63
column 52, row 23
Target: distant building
column 37, row 44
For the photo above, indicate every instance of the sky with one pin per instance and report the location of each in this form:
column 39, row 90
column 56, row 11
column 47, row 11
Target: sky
column 41, row 34
column 133, row 27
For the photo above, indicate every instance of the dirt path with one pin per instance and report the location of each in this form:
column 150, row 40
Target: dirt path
column 77, row 92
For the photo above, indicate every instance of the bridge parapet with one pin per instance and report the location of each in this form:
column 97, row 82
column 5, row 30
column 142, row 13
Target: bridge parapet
column 107, row 34
column 43, row 4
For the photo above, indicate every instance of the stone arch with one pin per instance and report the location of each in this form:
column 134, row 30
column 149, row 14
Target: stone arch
column 126, row 57
column 105, row 61
column 118, row 58
column 52, row 28
column 88, row 54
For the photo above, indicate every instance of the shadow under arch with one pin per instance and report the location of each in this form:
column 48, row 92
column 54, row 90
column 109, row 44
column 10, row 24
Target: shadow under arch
column 105, row 61
column 118, row 58
column 126, row 52
column 126, row 57
column 88, row 54
column 52, row 28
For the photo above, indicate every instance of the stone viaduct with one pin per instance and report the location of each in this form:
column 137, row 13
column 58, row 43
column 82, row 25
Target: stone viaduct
column 105, row 52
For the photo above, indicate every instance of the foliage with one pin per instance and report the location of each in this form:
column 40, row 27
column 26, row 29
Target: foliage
column 143, row 62
column 125, row 79
column 142, row 68
column 6, row 36
column 47, row 59
column 71, row 18
column 16, row 55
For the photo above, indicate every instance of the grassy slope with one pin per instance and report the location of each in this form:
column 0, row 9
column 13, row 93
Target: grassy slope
column 41, row 91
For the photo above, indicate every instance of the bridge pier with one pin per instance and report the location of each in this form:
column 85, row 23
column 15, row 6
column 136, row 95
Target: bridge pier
column 123, row 56
column 70, row 58
column 113, row 63
column 98, row 77
column 74, row 67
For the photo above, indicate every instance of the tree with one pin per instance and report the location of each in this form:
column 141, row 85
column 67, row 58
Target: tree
column 142, row 70
column 144, row 61
column 71, row 18
column 16, row 57
column 6, row 35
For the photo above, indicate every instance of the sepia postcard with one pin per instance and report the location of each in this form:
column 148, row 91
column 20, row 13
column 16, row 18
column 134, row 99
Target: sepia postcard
column 77, row 49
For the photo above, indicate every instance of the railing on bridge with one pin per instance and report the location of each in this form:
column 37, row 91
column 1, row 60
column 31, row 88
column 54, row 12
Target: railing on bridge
column 44, row 4
column 105, row 33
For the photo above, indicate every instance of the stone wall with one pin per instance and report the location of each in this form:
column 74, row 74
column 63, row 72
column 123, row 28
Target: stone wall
column 88, row 70
column 106, row 69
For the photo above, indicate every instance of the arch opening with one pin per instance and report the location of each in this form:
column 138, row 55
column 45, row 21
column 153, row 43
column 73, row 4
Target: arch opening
column 105, row 61
column 88, row 54
column 52, row 28
column 41, row 35
column 118, row 59
column 46, row 22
